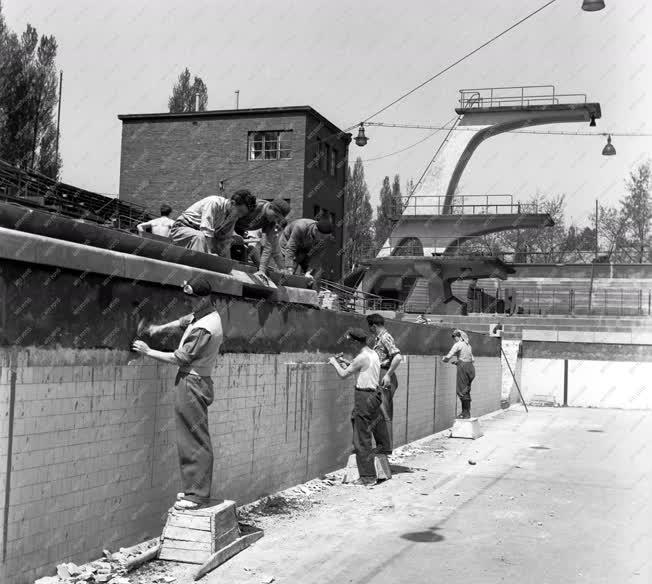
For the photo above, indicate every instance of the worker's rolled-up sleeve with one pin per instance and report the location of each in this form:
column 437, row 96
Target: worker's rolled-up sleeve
column 192, row 346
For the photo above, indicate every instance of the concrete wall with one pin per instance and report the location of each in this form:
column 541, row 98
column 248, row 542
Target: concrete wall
column 598, row 375
column 87, row 452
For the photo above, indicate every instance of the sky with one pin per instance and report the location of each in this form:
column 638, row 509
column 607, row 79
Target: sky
column 348, row 60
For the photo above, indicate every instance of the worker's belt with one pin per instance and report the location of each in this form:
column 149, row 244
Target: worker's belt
column 368, row 389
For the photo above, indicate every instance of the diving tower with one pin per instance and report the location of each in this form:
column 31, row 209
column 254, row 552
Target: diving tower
column 436, row 219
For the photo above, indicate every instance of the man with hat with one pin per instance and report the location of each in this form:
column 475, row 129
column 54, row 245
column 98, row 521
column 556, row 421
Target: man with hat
column 269, row 217
column 304, row 242
column 390, row 358
column 208, row 224
column 195, row 357
column 367, row 400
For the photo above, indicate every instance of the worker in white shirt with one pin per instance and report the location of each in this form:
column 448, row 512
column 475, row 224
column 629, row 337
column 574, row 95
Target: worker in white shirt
column 465, row 369
column 367, row 400
column 159, row 226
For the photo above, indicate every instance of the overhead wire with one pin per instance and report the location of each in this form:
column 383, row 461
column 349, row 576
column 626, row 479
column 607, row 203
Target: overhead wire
column 449, row 67
column 408, row 93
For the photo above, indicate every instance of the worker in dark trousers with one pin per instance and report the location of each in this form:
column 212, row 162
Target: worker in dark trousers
column 195, row 357
column 367, row 401
column 304, row 243
column 390, row 358
column 270, row 218
column 465, row 369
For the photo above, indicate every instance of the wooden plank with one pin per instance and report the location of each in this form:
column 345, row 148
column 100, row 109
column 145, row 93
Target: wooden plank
column 225, row 538
column 181, row 544
column 186, row 534
column 187, row 556
column 150, row 554
column 190, row 521
column 228, row 552
column 209, row 511
column 224, row 522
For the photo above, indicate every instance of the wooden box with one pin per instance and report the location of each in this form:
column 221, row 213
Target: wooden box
column 194, row 536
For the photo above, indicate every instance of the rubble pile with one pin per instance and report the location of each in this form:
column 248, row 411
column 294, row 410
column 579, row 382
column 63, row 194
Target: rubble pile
column 111, row 569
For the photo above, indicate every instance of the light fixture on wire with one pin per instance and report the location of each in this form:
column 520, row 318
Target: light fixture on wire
column 592, row 5
column 608, row 149
column 361, row 139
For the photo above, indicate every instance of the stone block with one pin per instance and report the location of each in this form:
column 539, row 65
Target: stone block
column 468, row 428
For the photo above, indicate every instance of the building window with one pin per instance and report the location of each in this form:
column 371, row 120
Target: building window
column 333, row 162
column 325, row 157
column 274, row 145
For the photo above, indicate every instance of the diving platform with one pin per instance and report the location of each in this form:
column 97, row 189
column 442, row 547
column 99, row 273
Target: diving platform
column 427, row 280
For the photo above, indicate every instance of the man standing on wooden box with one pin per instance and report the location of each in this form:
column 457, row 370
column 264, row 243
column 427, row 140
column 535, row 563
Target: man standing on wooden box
column 390, row 358
column 195, row 357
column 367, row 401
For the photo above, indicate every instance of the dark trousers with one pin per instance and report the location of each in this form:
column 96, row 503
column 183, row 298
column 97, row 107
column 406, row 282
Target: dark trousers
column 465, row 375
column 382, row 430
column 193, row 395
column 365, row 412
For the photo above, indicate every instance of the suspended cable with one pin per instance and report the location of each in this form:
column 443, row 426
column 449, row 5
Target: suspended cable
column 414, row 188
column 449, row 67
column 444, row 126
column 543, row 132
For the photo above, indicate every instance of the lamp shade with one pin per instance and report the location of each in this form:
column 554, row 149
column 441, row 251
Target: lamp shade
column 608, row 150
column 592, row 5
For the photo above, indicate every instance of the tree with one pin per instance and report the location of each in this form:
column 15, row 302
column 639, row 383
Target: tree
column 28, row 100
column 358, row 216
column 184, row 94
column 388, row 211
column 637, row 211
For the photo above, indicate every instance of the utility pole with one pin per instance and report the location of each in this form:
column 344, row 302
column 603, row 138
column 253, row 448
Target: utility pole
column 597, row 241
column 237, row 99
column 56, row 156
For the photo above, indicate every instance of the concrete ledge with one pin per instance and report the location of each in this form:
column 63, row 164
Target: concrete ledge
column 539, row 335
column 296, row 296
column 38, row 249
column 580, row 337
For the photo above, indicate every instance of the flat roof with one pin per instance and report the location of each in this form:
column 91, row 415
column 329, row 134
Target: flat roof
column 244, row 112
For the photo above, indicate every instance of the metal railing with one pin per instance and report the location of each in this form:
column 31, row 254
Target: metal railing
column 575, row 301
column 354, row 300
column 31, row 189
column 430, row 246
column 523, row 96
column 462, row 205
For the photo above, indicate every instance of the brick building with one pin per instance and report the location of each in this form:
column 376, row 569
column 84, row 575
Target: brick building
column 289, row 152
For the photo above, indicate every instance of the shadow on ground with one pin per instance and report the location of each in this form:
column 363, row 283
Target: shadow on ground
column 428, row 536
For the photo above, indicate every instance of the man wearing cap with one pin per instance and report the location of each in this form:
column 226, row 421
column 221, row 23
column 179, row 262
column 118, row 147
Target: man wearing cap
column 195, row 357
column 304, row 242
column 269, row 217
column 208, row 224
column 367, row 400
column 390, row 358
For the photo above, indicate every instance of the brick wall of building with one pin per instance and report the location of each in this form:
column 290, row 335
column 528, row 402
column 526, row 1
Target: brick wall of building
column 178, row 161
column 323, row 189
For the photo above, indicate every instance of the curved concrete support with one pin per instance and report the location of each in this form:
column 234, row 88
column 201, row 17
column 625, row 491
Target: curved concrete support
column 506, row 121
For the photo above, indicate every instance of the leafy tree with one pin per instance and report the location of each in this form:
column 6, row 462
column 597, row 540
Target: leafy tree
column 637, row 211
column 358, row 216
column 388, row 210
column 183, row 98
column 28, row 100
